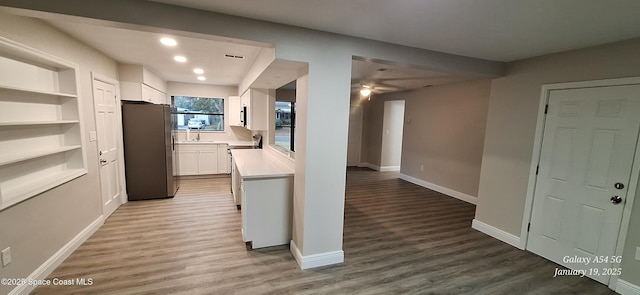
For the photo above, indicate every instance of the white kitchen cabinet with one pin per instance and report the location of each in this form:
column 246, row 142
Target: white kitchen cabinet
column 202, row 159
column 208, row 161
column 140, row 84
column 256, row 102
column 187, row 162
column 267, row 209
column 264, row 185
column 41, row 135
column 235, row 107
column 235, row 184
column 223, row 158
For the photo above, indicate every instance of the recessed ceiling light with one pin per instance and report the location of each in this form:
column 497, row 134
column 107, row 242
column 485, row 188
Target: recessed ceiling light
column 198, row 71
column 201, row 78
column 168, row 41
column 180, row 58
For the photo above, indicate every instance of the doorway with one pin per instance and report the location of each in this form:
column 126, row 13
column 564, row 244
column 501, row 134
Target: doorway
column 392, row 129
column 585, row 174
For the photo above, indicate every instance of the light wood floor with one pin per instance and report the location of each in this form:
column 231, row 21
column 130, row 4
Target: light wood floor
column 398, row 239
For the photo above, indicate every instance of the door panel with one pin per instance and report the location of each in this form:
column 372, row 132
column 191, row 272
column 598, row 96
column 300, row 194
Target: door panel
column 355, row 136
column 588, row 145
column 106, row 105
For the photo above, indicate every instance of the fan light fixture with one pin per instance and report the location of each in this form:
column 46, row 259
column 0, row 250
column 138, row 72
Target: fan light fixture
column 365, row 91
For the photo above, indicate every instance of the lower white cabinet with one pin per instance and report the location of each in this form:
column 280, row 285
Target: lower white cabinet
column 208, row 161
column 223, row 159
column 267, row 210
column 202, row 159
column 187, row 162
column 263, row 184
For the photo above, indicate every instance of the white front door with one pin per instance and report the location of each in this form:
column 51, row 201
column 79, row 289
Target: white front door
column 589, row 141
column 106, row 106
column 355, row 136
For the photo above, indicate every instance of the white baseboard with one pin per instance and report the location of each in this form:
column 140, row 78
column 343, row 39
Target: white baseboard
column 497, row 233
column 316, row 260
column 389, row 168
column 54, row 261
column 370, row 166
column 440, row 189
column 625, row 288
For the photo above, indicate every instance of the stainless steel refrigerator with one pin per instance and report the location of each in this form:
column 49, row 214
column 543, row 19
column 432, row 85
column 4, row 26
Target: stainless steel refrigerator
column 149, row 151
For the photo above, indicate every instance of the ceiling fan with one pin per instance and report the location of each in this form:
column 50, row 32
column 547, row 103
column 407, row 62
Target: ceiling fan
column 366, row 88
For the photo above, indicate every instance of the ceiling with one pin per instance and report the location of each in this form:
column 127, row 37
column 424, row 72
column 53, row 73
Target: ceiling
column 393, row 77
column 498, row 30
column 138, row 47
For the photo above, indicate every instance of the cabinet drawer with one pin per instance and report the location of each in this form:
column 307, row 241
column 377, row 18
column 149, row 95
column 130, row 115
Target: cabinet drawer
column 197, row 147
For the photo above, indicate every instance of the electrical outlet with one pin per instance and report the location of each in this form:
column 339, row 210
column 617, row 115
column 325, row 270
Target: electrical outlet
column 421, row 167
column 6, row 256
column 638, row 253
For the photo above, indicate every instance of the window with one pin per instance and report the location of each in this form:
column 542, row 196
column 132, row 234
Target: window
column 198, row 113
column 285, row 124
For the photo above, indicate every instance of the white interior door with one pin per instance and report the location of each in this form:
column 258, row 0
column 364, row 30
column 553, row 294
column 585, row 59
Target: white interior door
column 355, row 136
column 106, row 107
column 589, row 142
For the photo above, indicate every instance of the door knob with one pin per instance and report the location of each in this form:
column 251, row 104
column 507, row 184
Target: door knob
column 616, row 199
column 102, row 161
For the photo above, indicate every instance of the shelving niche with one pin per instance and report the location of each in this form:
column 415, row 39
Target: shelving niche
column 40, row 125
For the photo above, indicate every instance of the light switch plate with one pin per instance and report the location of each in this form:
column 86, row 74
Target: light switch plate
column 638, row 253
column 6, row 256
column 93, row 136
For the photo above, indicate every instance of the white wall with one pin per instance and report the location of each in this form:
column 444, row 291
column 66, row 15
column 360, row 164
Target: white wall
column 321, row 159
column 443, row 131
column 38, row 227
column 392, row 127
column 511, row 127
column 215, row 91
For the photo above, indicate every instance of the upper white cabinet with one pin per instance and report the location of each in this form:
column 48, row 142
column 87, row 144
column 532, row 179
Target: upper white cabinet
column 235, row 111
column 140, row 84
column 40, row 130
column 255, row 103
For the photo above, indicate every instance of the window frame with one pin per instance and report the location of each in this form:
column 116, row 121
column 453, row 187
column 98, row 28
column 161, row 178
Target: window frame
column 174, row 111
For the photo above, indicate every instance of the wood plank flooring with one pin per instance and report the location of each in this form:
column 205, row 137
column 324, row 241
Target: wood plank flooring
column 398, row 239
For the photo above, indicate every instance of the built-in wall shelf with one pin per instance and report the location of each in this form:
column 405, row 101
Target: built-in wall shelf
column 29, row 123
column 16, row 194
column 41, row 136
column 7, row 88
column 19, row 157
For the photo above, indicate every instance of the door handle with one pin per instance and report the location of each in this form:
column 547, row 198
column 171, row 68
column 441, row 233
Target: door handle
column 103, row 161
column 616, row 200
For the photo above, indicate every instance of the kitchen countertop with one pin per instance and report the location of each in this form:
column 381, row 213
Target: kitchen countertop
column 231, row 144
column 260, row 163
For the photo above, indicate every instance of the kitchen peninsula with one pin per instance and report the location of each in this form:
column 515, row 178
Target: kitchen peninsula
column 262, row 183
